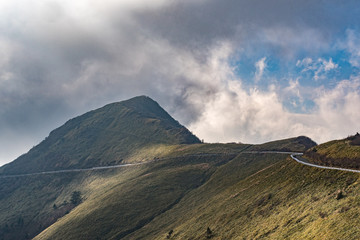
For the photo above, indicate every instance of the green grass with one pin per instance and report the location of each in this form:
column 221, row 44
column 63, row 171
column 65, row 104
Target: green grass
column 339, row 149
column 338, row 153
column 298, row 144
column 126, row 207
column 190, row 185
column 32, row 198
column 251, row 196
column 282, row 200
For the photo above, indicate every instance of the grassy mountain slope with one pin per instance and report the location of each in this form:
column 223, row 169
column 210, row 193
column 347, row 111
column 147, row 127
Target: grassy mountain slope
column 298, row 144
column 134, row 130
column 251, row 196
column 116, row 201
column 338, row 153
column 283, row 200
column 130, row 197
column 27, row 204
column 152, row 204
column 104, row 136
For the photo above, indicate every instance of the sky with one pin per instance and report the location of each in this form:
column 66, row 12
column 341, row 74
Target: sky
column 246, row 71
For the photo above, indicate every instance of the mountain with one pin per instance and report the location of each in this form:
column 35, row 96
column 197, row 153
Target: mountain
column 247, row 196
column 108, row 135
column 179, row 188
column 343, row 153
column 151, row 200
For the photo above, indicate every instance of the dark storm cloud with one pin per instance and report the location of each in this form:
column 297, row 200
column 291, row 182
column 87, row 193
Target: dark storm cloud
column 199, row 23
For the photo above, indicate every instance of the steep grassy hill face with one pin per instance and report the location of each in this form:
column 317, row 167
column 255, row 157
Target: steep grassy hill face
column 338, row 153
column 120, row 202
column 104, row 136
column 185, row 191
column 250, row 196
column 268, row 197
column 134, row 130
column 116, row 202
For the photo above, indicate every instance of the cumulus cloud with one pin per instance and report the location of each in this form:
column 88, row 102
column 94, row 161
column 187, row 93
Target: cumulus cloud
column 328, row 65
column 293, row 90
column 352, row 45
column 235, row 114
column 320, row 67
column 306, row 62
column 260, row 67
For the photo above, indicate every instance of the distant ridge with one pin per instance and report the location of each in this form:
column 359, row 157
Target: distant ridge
column 300, row 144
column 103, row 136
column 344, row 153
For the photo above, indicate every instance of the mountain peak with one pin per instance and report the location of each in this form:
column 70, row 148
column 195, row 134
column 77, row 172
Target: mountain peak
column 103, row 136
column 143, row 105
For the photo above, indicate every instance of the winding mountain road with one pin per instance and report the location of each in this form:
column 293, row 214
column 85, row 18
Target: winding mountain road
column 297, row 159
column 72, row 170
column 294, row 155
column 107, row 167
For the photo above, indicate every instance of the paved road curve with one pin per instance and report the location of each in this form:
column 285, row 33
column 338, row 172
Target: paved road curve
column 297, row 158
column 109, row 167
column 292, row 155
column 319, row 166
column 72, row 170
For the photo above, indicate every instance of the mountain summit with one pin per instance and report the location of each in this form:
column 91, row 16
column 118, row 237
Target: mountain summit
column 103, row 136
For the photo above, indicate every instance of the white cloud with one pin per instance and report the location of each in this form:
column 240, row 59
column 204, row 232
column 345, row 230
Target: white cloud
column 322, row 67
column 235, row 114
column 260, row 67
column 319, row 67
column 260, row 116
column 329, row 65
column 352, row 45
column 304, row 62
column 338, row 109
column 293, row 88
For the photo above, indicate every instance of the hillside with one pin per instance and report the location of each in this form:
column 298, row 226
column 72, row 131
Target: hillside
column 183, row 189
column 298, row 144
column 105, row 136
column 134, row 130
column 343, row 153
column 124, row 198
column 250, row 196
column 155, row 190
